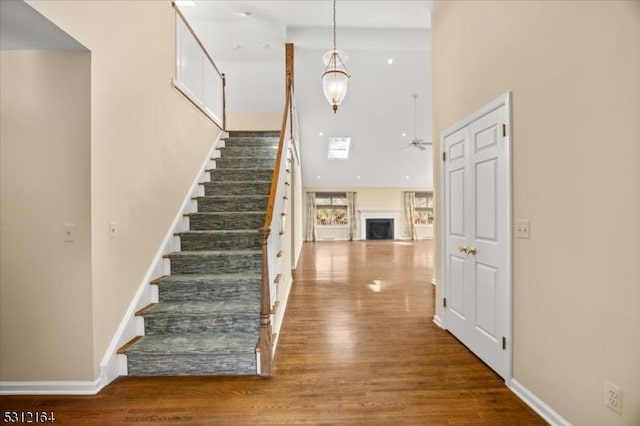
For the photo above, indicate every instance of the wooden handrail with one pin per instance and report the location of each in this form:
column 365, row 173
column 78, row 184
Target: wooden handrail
column 276, row 168
column 265, row 339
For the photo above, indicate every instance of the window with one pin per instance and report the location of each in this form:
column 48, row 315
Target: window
column 339, row 148
column 331, row 208
column 424, row 208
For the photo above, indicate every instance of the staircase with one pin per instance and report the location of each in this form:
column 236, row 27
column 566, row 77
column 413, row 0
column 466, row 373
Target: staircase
column 207, row 319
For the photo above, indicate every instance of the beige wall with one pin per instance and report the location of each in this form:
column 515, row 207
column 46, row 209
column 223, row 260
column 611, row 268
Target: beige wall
column 254, row 120
column 387, row 199
column 147, row 143
column 45, row 282
column 574, row 70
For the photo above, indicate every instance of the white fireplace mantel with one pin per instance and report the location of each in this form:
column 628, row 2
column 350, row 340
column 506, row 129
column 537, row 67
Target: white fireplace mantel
column 379, row 214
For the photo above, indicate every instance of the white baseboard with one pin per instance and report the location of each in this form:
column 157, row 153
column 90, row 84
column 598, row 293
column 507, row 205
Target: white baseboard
column 282, row 309
column 438, row 321
column 539, row 406
column 52, row 387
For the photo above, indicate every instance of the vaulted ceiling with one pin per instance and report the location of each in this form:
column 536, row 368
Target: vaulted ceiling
column 389, row 49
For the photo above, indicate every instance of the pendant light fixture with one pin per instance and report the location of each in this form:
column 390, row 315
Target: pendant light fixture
column 335, row 76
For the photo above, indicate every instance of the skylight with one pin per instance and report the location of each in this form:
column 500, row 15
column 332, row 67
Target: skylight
column 339, row 148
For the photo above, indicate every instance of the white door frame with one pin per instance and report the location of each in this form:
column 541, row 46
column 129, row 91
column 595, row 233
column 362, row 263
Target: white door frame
column 503, row 100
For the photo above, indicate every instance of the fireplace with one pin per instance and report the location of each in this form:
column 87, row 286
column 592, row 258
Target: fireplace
column 379, row 229
column 388, row 215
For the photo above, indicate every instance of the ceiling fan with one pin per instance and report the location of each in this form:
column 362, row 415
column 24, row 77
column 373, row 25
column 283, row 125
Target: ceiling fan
column 415, row 142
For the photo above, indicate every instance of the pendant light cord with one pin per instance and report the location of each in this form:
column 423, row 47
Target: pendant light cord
column 334, row 25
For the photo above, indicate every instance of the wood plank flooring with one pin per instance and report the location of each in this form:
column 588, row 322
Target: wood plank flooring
column 358, row 346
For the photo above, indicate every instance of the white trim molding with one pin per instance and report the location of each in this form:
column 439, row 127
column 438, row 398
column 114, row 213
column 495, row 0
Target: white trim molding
column 438, row 321
column 379, row 214
column 52, row 388
column 537, row 405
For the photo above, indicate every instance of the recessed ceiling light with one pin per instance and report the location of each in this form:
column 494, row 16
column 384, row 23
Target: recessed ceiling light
column 357, row 177
column 244, row 14
column 320, row 134
column 390, row 61
column 318, row 177
column 406, row 177
column 404, row 134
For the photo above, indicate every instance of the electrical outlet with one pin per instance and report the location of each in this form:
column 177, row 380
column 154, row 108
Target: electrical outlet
column 613, row 397
column 112, row 230
column 523, row 227
column 69, row 232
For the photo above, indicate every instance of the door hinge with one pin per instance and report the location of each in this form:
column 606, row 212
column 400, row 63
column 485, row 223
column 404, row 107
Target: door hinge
column 444, row 302
column 504, row 130
column 444, row 156
column 504, row 343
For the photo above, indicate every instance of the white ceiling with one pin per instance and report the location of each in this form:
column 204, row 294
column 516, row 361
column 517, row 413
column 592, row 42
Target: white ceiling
column 22, row 27
column 378, row 108
column 307, row 23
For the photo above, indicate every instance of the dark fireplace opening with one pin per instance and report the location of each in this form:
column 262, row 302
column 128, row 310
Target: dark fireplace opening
column 379, row 229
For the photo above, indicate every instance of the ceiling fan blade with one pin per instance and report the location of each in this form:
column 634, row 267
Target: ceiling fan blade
column 421, row 148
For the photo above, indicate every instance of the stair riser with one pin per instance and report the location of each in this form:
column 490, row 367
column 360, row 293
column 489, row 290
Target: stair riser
column 231, row 204
column 210, row 325
column 223, row 221
column 243, row 163
column 200, row 292
column 250, row 143
column 230, row 175
column 239, row 188
column 215, row 264
column 268, row 153
column 195, row 242
column 254, row 134
column 190, row 365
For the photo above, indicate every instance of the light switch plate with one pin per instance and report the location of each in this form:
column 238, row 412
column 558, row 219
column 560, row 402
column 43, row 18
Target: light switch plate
column 523, row 228
column 113, row 230
column 69, row 232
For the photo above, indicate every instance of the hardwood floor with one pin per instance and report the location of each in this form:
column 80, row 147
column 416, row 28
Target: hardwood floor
column 358, row 346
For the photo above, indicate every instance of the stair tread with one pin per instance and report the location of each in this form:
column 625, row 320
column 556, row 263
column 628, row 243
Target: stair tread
column 235, row 182
column 236, row 169
column 220, row 231
column 186, row 344
column 208, row 278
column 234, row 213
column 233, row 197
column 214, row 252
column 208, row 308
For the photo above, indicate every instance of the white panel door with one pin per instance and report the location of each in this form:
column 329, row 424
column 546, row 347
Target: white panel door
column 476, row 231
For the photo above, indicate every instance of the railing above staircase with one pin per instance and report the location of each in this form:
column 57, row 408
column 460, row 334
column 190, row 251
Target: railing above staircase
column 274, row 225
column 197, row 75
